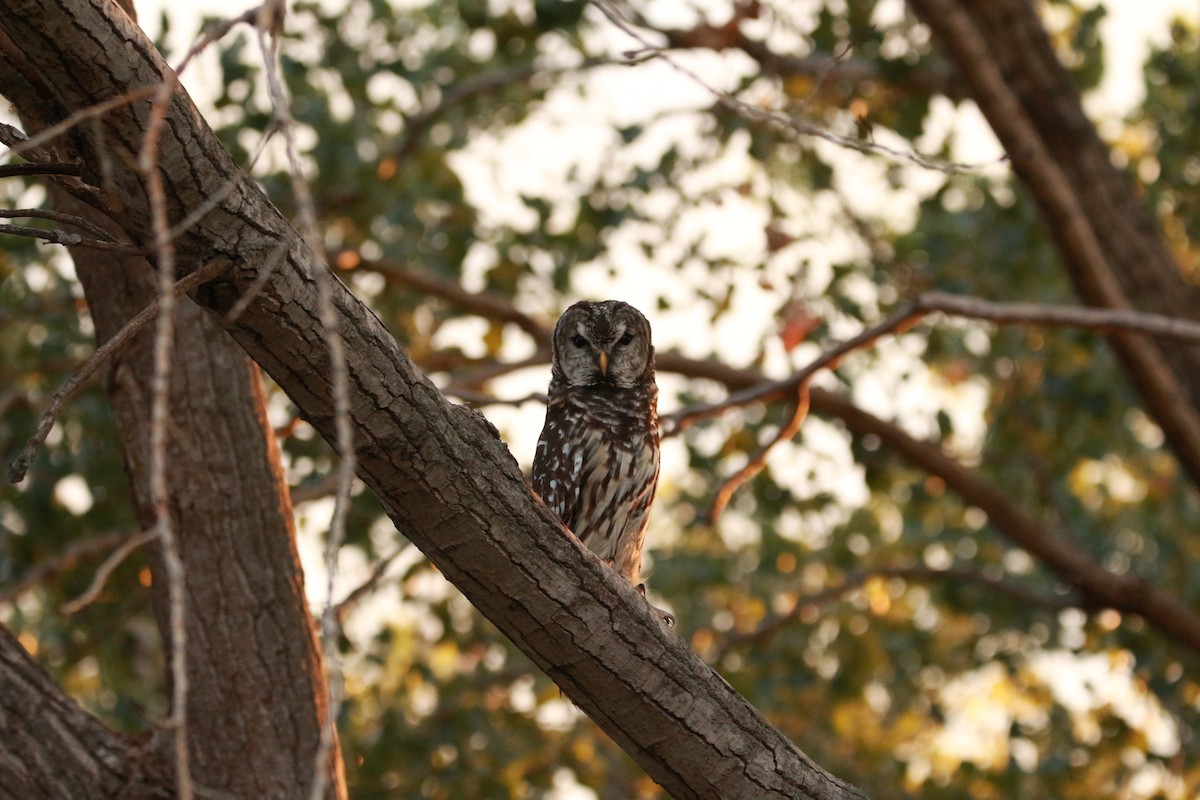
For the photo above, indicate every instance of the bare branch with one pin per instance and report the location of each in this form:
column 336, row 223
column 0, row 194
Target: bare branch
column 795, row 418
column 106, row 569
column 1111, row 247
column 62, row 562
column 769, row 391
column 160, row 411
column 479, row 399
column 41, row 168
column 485, row 304
column 70, row 239
column 216, row 198
column 20, row 465
column 19, row 144
column 265, row 273
column 58, row 216
column 1101, row 320
column 269, row 25
column 351, row 600
column 788, row 124
column 937, row 78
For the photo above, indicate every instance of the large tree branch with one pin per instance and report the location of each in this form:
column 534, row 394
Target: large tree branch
column 1055, row 549
column 440, row 471
column 53, row 750
column 1112, row 251
column 257, row 697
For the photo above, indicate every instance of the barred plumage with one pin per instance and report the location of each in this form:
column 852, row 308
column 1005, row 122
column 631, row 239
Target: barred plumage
column 596, row 464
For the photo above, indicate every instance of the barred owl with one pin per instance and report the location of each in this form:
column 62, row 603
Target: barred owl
column 596, row 464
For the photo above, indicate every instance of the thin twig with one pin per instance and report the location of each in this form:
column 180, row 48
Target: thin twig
column 20, row 465
column 19, row 144
column 218, row 32
column 216, row 198
column 488, row 371
column 898, row 320
column 63, row 561
column 59, row 216
column 485, row 304
column 478, row 399
column 277, row 257
column 269, row 26
column 348, row 602
column 791, row 124
column 105, row 570
column 796, row 416
column 41, row 168
column 828, row 67
column 160, row 410
column 69, row 239
column 1102, row 320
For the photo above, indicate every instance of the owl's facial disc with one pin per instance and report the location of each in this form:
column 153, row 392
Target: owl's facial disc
column 605, row 343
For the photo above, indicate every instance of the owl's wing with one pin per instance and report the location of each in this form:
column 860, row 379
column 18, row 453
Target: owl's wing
column 569, row 452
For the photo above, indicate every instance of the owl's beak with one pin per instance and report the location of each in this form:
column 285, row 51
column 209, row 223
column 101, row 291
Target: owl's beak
column 602, row 360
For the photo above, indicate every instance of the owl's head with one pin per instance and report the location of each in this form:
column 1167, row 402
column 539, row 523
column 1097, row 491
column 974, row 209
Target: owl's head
column 604, row 342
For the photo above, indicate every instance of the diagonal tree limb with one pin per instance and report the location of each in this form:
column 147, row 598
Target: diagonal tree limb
column 53, row 750
column 1054, row 548
column 440, row 471
column 1112, row 250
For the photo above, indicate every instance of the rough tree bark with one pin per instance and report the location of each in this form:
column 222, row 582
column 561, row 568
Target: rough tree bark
column 441, row 472
column 258, row 698
column 1110, row 246
column 257, row 694
column 52, row 749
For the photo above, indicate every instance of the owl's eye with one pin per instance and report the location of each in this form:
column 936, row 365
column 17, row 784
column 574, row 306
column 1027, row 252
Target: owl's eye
column 579, row 341
column 624, row 340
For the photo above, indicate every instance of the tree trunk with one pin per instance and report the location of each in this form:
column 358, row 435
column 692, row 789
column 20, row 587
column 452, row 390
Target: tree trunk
column 440, row 470
column 257, row 695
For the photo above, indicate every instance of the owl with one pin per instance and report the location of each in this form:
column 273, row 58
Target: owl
column 596, row 464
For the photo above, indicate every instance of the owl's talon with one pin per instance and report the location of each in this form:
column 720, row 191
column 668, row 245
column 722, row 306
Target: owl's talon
column 665, row 617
